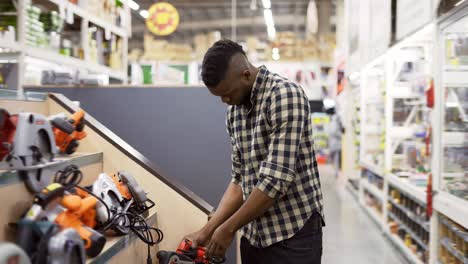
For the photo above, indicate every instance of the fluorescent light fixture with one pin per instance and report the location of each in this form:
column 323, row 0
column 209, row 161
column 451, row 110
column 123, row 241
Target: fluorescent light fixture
column 275, row 50
column 275, row 56
column 253, row 5
column 133, row 5
column 271, row 32
column 144, row 14
column 268, row 18
column 460, row 2
column 266, row 4
column 451, row 104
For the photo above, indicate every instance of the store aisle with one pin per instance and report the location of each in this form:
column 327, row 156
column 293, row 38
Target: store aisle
column 350, row 235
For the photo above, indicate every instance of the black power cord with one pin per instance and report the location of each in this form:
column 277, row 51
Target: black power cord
column 140, row 228
column 71, row 176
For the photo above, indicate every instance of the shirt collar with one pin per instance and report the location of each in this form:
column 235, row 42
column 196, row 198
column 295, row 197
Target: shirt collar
column 259, row 81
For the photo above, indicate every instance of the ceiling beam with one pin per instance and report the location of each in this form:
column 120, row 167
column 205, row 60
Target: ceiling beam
column 214, row 24
column 218, row 3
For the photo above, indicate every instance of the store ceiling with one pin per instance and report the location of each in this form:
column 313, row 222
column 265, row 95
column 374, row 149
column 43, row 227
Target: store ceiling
column 202, row 16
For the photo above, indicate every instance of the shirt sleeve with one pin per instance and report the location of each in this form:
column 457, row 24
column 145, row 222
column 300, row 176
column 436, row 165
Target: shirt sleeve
column 235, row 155
column 287, row 112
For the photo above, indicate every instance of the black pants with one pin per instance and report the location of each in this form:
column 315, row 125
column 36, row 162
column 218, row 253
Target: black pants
column 305, row 247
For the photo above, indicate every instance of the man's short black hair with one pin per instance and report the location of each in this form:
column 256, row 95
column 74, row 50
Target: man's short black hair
column 216, row 61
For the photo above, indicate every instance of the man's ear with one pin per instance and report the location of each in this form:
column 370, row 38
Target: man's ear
column 246, row 75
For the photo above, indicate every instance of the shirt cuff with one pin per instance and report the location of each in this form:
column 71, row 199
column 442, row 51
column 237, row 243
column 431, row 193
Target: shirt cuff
column 274, row 179
column 235, row 174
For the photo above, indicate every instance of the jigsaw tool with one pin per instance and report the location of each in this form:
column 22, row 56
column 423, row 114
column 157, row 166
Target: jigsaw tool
column 186, row 254
column 27, row 144
column 68, row 131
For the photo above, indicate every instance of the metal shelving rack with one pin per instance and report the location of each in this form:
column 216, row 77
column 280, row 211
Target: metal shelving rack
column 18, row 50
column 371, row 133
column 450, row 92
column 451, row 127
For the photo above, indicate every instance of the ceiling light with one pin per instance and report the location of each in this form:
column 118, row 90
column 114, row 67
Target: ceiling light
column 271, row 32
column 268, row 18
column 144, row 14
column 266, row 4
column 275, row 56
column 133, row 5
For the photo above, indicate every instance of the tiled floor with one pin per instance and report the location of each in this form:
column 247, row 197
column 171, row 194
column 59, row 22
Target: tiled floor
column 350, row 235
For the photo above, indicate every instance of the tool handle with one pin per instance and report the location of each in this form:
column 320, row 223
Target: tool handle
column 137, row 192
column 25, row 236
column 63, row 125
column 98, row 241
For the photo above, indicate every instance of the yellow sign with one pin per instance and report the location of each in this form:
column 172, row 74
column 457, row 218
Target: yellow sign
column 163, row 19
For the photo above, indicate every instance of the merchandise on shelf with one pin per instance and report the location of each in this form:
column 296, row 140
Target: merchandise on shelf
column 320, row 123
column 35, row 33
column 371, row 201
column 373, row 127
column 356, row 125
column 373, row 178
column 162, row 50
column 8, row 21
column 409, row 132
column 453, row 242
column 455, row 111
column 103, row 51
column 110, row 11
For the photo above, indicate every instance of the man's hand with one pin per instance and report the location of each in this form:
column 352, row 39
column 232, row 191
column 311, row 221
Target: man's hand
column 199, row 238
column 220, row 242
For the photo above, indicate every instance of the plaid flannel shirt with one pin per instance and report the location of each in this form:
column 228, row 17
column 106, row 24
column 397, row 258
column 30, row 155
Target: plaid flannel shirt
column 272, row 149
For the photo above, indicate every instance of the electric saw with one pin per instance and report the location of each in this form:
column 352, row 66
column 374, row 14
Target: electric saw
column 27, row 144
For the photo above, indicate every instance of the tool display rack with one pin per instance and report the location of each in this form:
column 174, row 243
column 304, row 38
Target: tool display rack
column 177, row 211
column 18, row 50
column 439, row 53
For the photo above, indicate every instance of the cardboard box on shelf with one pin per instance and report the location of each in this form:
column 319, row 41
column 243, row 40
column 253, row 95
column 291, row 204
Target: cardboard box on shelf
column 202, row 42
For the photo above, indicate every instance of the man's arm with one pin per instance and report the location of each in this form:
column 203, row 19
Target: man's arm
column 232, row 198
column 288, row 111
column 230, row 203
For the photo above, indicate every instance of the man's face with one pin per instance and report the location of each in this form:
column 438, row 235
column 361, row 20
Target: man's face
column 234, row 89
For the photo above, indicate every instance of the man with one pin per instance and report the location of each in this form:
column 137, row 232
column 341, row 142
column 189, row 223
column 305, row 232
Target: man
column 335, row 131
column 274, row 197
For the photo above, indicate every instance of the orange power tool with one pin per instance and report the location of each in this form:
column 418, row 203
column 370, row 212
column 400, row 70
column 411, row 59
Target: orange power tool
column 80, row 214
column 68, row 210
column 68, row 131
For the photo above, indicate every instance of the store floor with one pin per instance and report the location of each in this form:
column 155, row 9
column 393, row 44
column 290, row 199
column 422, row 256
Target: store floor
column 350, row 235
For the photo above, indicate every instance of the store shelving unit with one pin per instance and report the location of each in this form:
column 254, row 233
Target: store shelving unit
column 409, row 255
column 425, row 136
column 372, row 130
column 370, row 133
column 450, row 163
column 418, row 193
column 80, row 17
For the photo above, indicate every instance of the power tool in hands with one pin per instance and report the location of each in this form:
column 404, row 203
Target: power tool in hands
column 186, row 254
